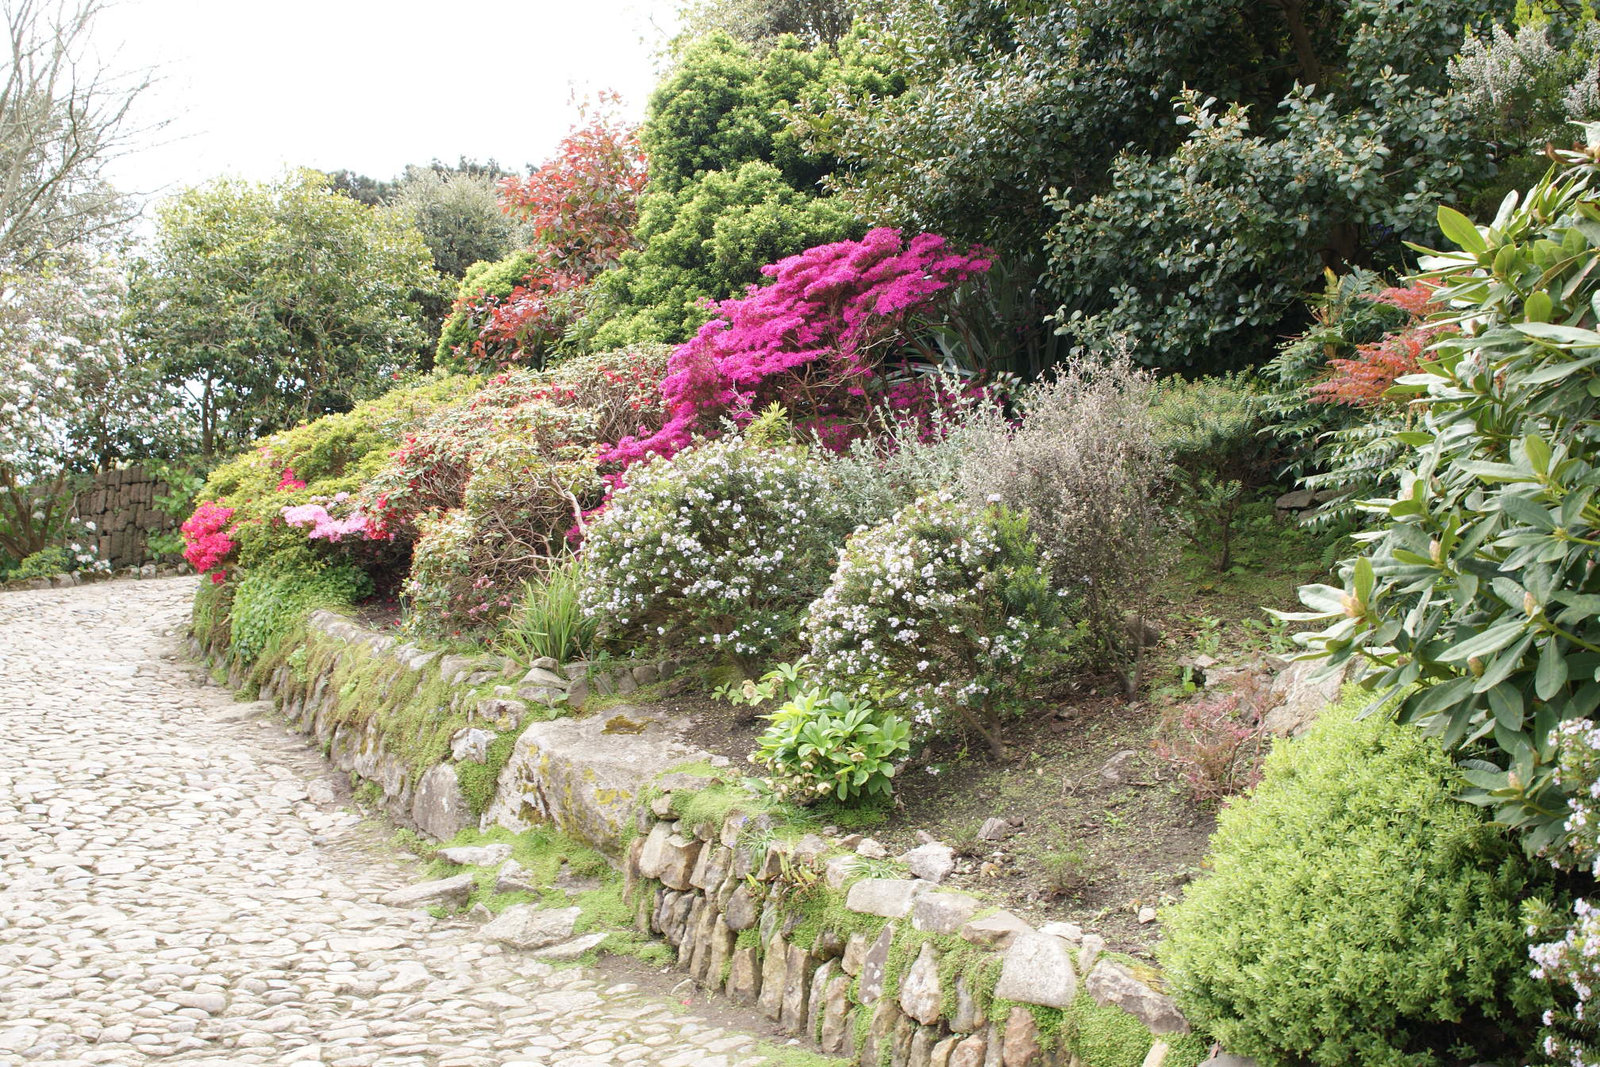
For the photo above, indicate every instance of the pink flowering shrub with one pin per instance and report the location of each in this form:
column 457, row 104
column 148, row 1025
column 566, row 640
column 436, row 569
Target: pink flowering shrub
column 205, row 539
column 814, row 339
column 324, row 527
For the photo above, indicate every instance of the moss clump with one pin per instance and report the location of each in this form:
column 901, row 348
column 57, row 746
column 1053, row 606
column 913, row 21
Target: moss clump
column 1102, row 1036
column 478, row 780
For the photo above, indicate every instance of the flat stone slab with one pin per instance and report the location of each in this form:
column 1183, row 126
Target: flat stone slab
column 582, row 774
column 443, row 891
column 888, row 897
column 527, row 926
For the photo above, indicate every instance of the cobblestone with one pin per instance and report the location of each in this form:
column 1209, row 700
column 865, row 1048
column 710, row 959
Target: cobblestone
column 169, row 891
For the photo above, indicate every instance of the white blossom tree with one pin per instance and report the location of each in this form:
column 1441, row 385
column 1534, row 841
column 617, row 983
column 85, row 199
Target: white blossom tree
column 71, row 399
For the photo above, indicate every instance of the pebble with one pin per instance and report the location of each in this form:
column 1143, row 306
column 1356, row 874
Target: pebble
column 181, row 885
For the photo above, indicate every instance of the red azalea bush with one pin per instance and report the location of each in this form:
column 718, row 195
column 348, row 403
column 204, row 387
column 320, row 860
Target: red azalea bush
column 813, row 340
column 205, row 539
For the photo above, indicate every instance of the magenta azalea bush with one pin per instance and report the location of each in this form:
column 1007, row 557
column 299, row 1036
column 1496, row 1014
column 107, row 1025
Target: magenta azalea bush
column 812, row 340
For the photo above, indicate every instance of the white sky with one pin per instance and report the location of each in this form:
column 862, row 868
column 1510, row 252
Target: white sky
column 252, row 88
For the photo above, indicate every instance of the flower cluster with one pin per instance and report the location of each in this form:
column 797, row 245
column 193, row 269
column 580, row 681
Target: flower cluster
column 722, row 546
column 1573, row 958
column 206, row 540
column 324, row 527
column 945, row 609
column 810, row 340
column 289, row 483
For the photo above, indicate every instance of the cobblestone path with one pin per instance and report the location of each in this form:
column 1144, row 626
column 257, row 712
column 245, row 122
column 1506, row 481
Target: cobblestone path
column 170, row 893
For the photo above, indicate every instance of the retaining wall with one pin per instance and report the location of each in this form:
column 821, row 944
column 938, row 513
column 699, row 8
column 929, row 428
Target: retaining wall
column 863, row 956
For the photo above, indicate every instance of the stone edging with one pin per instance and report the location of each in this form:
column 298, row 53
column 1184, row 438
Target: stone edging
column 810, row 932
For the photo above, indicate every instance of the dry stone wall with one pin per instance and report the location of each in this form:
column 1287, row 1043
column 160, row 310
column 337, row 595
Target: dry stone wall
column 121, row 505
column 862, row 956
column 892, row 971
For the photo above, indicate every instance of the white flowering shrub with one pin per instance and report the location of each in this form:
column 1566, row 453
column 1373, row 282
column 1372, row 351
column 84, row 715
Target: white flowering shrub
column 1572, row 958
column 945, row 610
column 71, row 396
column 718, row 549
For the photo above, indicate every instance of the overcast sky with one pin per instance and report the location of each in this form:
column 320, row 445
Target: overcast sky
column 249, row 89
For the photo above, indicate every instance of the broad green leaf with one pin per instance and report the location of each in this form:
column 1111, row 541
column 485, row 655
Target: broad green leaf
column 1552, row 673
column 1456, row 226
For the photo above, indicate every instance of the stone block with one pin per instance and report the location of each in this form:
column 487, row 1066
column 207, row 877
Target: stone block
column 932, row 862
column 450, row 892
column 995, row 931
column 1038, row 970
column 527, row 926
column 969, row 1051
column 816, row 1000
column 744, row 976
column 1021, row 1044
column 1110, row 983
column 888, row 897
column 873, row 964
column 797, row 975
column 477, row 855
column 740, row 912
column 920, row 991
column 774, row 973
column 583, row 777
column 837, row 1033
column 943, row 913
column 440, row 808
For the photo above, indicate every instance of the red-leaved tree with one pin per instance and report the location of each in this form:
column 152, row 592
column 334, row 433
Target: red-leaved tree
column 581, row 205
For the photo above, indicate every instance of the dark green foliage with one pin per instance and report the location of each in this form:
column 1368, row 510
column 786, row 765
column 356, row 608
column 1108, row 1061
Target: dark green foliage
column 1356, row 912
column 45, row 563
column 722, row 107
column 709, row 239
column 1211, row 427
column 731, row 187
column 1192, row 230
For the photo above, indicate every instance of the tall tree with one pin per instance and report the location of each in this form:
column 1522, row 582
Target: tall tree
column 273, row 303
column 63, row 116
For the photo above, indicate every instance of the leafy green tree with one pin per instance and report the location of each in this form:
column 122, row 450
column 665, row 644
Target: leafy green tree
column 722, row 106
column 758, row 23
column 458, row 215
column 272, row 303
column 731, row 187
column 707, row 242
column 1311, row 133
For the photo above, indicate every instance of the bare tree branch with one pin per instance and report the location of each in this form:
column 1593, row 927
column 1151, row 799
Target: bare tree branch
column 62, row 118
